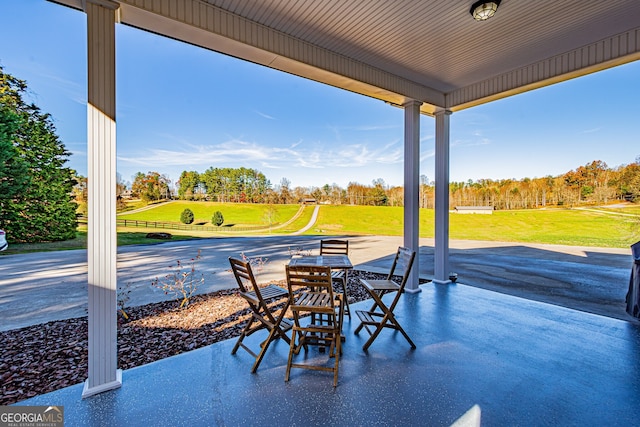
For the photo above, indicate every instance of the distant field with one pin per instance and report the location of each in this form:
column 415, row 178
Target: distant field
column 553, row 226
column 634, row 210
column 582, row 227
column 597, row 227
column 359, row 220
column 238, row 214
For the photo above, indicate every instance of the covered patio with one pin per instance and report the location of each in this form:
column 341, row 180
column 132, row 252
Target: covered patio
column 507, row 360
column 524, row 363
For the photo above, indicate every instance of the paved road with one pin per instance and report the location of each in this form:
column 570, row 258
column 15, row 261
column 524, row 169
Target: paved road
column 39, row 287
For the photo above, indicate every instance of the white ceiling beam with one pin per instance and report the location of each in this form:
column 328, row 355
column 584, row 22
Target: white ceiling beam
column 610, row 52
column 439, row 58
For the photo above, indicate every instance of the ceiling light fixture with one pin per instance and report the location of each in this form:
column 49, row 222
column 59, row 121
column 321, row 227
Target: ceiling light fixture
column 483, row 10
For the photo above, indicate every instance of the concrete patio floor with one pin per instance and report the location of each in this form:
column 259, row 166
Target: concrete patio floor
column 520, row 362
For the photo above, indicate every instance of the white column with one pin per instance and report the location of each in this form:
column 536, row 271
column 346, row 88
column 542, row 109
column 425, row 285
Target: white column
column 412, row 187
column 101, row 234
column 441, row 259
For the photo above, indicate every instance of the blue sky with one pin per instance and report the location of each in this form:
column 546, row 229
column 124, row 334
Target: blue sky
column 180, row 107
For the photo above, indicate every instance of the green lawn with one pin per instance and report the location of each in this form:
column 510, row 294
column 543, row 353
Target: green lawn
column 125, row 237
column 238, row 214
column 386, row 221
column 553, row 226
column 635, row 210
column 579, row 227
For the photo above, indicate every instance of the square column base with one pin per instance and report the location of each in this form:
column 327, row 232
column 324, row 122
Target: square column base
column 88, row 392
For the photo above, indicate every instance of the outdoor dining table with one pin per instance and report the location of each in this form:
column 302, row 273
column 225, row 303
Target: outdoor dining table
column 332, row 261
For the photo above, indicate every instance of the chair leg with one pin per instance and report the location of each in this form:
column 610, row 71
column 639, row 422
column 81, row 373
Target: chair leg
column 338, row 342
column 281, row 334
column 243, row 334
column 373, row 337
column 394, row 324
column 332, row 338
column 401, row 329
column 294, row 334
column 265, row 346
column 341, row 308
column 347, row 309
column 362, row 324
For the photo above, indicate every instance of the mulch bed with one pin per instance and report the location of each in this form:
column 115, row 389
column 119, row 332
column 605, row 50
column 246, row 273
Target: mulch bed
column 47, row 357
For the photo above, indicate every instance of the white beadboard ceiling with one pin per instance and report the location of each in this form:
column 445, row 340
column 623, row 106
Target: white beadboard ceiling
column 397, row 50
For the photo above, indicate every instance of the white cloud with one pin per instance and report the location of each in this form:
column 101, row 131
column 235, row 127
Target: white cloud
column 427, row 154
column 369, row 128
column 593, row 130
column 299, row 159
column 266, row 116
column 207, row 155
column 471, row 142
column 67, row 87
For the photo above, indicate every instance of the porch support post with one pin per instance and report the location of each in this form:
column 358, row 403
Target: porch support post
column 411, row 188
column 101, row 233
column 441, row 258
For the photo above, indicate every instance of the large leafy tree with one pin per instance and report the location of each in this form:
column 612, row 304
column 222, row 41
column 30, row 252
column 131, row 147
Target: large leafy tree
column 13, row 170
column 36, row 203
column 187, row 184
column 235, row 185
column 150, row 187
column 628, row 181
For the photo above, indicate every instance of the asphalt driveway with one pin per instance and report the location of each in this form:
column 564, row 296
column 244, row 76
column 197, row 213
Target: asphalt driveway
column 39, row 287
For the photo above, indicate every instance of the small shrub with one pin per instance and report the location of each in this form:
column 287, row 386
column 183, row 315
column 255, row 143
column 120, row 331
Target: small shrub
column 182, row 282
column 187, row 217
column 298, row 251
column 257, row 264
column 123, row 298
column 217, row 219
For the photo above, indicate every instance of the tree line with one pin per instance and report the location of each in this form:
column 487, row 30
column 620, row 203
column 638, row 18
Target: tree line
column 593, row 183
column 38, row 193
column 36, row 202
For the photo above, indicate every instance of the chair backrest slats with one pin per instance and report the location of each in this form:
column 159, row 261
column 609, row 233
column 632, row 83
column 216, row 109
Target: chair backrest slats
column 403, row 261
column 244, row 276
column 314, row 277
column 334, row 247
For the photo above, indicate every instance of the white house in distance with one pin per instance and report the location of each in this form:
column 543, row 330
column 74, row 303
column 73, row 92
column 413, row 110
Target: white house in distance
column 487, row 210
